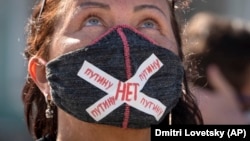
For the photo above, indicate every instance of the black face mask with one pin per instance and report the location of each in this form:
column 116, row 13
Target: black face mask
column 123, row 79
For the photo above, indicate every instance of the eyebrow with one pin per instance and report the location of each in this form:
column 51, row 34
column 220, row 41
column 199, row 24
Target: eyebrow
column 94, row 4
column 147, row 6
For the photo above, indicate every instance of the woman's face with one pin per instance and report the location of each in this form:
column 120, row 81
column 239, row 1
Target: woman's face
column 86, row 20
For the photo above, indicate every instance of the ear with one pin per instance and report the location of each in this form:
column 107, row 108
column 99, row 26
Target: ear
column 36, row 69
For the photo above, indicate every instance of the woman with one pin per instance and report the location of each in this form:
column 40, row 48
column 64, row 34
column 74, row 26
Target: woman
column 105, row 70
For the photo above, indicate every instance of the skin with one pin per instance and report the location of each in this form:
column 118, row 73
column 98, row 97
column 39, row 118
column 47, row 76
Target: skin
column 246, row 87
column 219, row 106
column 82, row 23
column 246, row 92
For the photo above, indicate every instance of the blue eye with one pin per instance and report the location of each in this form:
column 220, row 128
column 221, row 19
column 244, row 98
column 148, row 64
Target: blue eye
column 149, row 24
column 93, row 21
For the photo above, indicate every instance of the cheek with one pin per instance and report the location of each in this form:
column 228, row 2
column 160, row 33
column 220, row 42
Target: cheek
column 163, row 36
column 62, row 45
column 70, row 42
column 164, row 41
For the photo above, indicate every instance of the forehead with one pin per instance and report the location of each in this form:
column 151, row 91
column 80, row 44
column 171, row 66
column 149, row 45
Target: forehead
column 74, row 5
column 124, row 2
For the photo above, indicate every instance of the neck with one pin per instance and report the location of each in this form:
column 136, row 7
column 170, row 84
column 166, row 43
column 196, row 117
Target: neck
column 71, row 128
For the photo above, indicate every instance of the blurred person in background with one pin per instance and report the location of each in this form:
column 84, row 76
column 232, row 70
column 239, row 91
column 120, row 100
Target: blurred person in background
column 217, row 61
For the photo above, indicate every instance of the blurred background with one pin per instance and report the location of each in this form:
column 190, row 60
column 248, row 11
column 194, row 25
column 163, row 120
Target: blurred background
column 13, row 17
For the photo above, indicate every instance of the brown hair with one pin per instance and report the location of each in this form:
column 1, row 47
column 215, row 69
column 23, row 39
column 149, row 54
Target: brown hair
column 40, row 29
column 38, row 41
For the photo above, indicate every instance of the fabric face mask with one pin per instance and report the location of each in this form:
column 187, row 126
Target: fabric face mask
column 123, row 79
